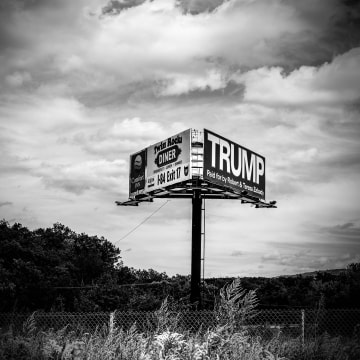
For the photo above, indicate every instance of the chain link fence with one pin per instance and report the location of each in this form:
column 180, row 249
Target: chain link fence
column 266, row 323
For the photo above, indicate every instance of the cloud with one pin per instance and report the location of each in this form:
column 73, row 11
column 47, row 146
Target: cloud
column 307, row 156
column 183, row 84
column 18, row 78
column 115, row 7
column 273, row 255
column 345, row 226
column 312, row 139
column 192, row 7
column 5, row 203
column 125, row 136
column 196, row 7
column 79, row 177
column 38, row 111
column 195, row 52
column 133, row 128
column 237, row 253
column 308, row 260
column 330, row 84
column 347, row 232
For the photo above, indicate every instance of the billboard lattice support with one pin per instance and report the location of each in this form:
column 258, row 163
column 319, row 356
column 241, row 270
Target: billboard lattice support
column 203, row 213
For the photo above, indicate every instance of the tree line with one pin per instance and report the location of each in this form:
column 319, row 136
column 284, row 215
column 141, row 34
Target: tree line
column 56, row 269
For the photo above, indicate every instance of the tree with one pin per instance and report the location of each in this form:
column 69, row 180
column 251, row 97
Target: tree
column 38, row 267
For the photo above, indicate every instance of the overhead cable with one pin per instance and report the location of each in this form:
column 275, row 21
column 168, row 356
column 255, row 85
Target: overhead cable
column 142, row 222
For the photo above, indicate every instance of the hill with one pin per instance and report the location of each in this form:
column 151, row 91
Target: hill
column 315, row 273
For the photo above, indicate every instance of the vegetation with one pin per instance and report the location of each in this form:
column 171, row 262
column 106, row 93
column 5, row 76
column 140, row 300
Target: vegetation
column 56, row 269
column 227, row 339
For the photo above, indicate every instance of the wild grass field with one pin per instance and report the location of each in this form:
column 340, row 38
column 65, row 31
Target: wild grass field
column 227, row 339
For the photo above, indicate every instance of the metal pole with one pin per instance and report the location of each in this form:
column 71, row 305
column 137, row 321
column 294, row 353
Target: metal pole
column 196, row 248
column 203, row 247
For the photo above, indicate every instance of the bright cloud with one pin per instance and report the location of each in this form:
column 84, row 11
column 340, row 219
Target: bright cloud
column 331, row 84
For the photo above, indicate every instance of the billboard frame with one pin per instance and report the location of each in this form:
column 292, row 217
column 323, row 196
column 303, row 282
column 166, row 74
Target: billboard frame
column 208, row 189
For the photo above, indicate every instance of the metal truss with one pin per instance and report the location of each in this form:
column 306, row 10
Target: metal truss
column 207, row 190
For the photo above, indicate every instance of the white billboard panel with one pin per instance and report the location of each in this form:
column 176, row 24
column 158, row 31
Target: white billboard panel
column 168, row 162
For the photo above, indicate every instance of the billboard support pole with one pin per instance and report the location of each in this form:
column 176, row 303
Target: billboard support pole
column 196, row 248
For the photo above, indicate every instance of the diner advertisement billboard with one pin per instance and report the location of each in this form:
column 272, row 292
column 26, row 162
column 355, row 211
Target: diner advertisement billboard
column 168, row 162
column 137, row 173
column 230, row 165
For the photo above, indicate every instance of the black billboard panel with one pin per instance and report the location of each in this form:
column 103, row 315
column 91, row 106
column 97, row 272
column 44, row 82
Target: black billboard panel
column 230, row 165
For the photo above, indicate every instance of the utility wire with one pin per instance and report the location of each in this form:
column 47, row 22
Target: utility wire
column 146, row 219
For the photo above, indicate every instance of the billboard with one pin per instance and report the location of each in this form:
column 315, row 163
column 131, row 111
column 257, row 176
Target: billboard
column 230, row 165
column 168, row 162
column 137, row 173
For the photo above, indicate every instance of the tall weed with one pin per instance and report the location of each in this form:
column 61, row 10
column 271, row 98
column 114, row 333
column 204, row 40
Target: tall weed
column 235, row 306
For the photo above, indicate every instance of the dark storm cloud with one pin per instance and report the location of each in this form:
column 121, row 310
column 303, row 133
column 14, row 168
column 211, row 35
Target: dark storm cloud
column 7, row 38
column 332, row 27
column 195, row 7
column 32, row 14
column 7, row 6
column 115, row 7
column 192, row 7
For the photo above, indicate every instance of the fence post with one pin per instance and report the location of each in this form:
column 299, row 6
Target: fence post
column 111, row 323
column 302, row 327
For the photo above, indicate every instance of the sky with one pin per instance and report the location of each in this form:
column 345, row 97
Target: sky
column 83, row 84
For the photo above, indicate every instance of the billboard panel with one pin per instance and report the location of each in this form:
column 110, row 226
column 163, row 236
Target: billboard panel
column 137, row 173
column 231, row 165
column 168, row 162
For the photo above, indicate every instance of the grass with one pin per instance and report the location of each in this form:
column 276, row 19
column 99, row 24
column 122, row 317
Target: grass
column 227, row 339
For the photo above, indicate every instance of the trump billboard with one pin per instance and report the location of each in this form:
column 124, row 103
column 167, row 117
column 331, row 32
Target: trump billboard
column 230, row 165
